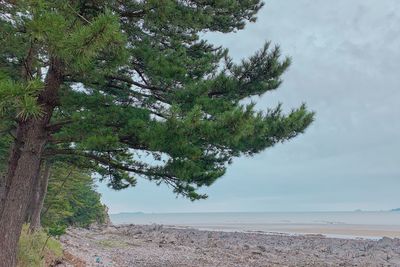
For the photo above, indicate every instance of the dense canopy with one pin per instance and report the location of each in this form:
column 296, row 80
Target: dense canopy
column 138, row 81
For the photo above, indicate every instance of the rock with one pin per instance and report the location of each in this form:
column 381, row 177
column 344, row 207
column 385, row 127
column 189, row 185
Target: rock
column 385, row 241
column 157, row 227
column 262, row 248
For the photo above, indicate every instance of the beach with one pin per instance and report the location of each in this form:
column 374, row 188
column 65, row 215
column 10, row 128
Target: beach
column 171, row 246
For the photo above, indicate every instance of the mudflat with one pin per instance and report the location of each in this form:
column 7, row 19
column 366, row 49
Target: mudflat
column 157, row 245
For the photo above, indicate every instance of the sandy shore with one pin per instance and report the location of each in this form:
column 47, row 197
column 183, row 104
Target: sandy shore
column 156, row 245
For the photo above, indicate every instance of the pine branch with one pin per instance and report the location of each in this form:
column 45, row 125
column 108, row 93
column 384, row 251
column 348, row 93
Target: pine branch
column 57, row 126
column 130, row 81
column 102, row 160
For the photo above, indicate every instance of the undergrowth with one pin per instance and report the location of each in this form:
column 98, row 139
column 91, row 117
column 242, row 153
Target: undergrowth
column 37, row 249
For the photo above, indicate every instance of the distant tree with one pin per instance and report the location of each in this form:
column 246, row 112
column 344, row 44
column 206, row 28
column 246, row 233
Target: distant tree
column 105, row 83
column 71, row 199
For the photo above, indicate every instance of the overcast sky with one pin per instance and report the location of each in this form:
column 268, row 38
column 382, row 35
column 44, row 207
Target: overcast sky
column 346, row 58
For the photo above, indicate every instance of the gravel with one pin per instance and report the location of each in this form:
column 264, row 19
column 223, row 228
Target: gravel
column 167, row 246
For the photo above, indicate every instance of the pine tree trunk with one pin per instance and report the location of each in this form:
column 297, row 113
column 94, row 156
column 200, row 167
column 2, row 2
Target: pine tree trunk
column 18, row 196
column 2, row 189
column 12, row 164
column 39, row 195
column 34, row 195
column 24, row 164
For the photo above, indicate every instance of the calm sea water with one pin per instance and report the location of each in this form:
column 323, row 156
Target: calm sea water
column 354, row 224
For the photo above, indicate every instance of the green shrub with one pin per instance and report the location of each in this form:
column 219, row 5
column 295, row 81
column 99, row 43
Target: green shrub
column 36, row 249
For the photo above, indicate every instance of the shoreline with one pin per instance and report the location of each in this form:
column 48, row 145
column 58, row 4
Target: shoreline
column 371, row 225
column 159, row 245
column 345, row 232
column 317, row 232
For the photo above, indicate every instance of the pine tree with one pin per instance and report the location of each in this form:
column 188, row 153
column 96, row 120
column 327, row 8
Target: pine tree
column 107, row 84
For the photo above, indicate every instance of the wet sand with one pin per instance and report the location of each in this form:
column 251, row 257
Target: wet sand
column 349, row 231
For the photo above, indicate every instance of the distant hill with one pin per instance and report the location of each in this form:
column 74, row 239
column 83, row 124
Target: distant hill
column 128, row 213
column 398, row 209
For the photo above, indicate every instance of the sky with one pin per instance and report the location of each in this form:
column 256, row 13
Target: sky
column 346, row 58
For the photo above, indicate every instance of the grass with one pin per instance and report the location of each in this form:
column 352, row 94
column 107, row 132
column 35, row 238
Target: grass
column 37, row 249
column 112, row 243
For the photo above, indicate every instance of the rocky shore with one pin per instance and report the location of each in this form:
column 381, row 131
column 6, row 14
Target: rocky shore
column 157, row 245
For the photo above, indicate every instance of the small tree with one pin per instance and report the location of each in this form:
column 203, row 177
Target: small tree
column 104, row 83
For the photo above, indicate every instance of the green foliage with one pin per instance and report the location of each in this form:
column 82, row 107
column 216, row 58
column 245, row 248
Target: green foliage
column 71, row 200
column 143, row 94
column 35, row 248
column 116, row 244
column 4, row 148
column 20, row 98
column 56, row 230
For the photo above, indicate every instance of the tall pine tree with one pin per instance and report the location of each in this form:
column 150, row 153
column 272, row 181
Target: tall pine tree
column 107, row 84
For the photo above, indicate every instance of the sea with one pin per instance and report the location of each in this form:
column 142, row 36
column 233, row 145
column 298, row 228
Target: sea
column 351, row 224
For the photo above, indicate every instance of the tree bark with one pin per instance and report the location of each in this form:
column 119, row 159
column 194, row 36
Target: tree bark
column 33, row 196
column 18, row 196
column 25, row 159
column 39, row 195
column 12, row 164
column 18, row 141
column 2, row 189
